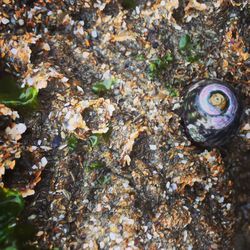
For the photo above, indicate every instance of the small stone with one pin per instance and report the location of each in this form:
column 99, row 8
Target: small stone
column 185, row 235
column 153, row 147
column 149, row 236
column 44, row 162
column 221, row 200
column 174, row 186
column 32, row 217
column 248, row 135
column 94, row 34
column 21, row 22
column 112, row 236
column 13, row 51
column 176, row 106
column 5, row 20
column 155, row 45
column 40, row 233
column 137, row 10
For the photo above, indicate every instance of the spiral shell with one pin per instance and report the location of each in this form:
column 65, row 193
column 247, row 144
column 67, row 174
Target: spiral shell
column 211, row 112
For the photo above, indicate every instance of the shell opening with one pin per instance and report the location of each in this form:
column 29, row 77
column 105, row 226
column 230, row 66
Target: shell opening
column 218, row 100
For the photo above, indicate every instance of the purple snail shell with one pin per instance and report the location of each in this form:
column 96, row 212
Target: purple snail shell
column 211, row 113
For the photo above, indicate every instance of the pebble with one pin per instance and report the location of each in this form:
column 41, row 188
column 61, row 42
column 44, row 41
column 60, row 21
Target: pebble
column 112, row 236
column 248, row 135
column 44, row 161
column 173, row 186
column 137, row 10
column 185, row 235
column 152, row 147
column 5, row 20
column 32, row 217
column 94, row 34
column 13, row 51
column 149, row 236
column 21, row 22
column 40, row 233
column 176, row 106
column 221, row 200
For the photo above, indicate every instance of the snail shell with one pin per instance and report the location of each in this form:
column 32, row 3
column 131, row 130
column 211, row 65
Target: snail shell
column 211, row 113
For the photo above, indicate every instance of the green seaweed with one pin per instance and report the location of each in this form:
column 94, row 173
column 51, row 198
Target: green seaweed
column 104, row 86
column 27, row 98
column 13, row 233
column 189, row 48
column 72, row 142
column 104, row 180
column 128, row 4
column 140, row 57
column 94, row 140
column 173, row 92
column 11, row 94
column 95, row 165
column 160, row 64
column 184, row 42
column 11, row 205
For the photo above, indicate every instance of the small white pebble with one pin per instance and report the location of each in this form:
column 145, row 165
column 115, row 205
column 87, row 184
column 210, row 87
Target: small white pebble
column 102, row 244
column 149, row 236
column 21, row 128
column 44, row 162
column 247, row 111
column 34, row 167
column 125, row 184
column 32, row 217
column 176, row 106
column 152, row 147
column 248, row 135
column 185, row 235
column 21, row 22
column 13, row 51
column 79, row 89
column 174, row 186
column 112, row 236
column 40, row 233
column 137, row 10
column 94, row 34
column 163, row 3
column 61, row 216
column 63, row 146
column 5, row 20
column 64, row 79
column 85, row 55
column 91, row 244
column 221, row 200
column 180, row 155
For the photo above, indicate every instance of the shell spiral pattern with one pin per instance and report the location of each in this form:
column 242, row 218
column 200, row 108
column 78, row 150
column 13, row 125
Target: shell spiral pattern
column 211, row 113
